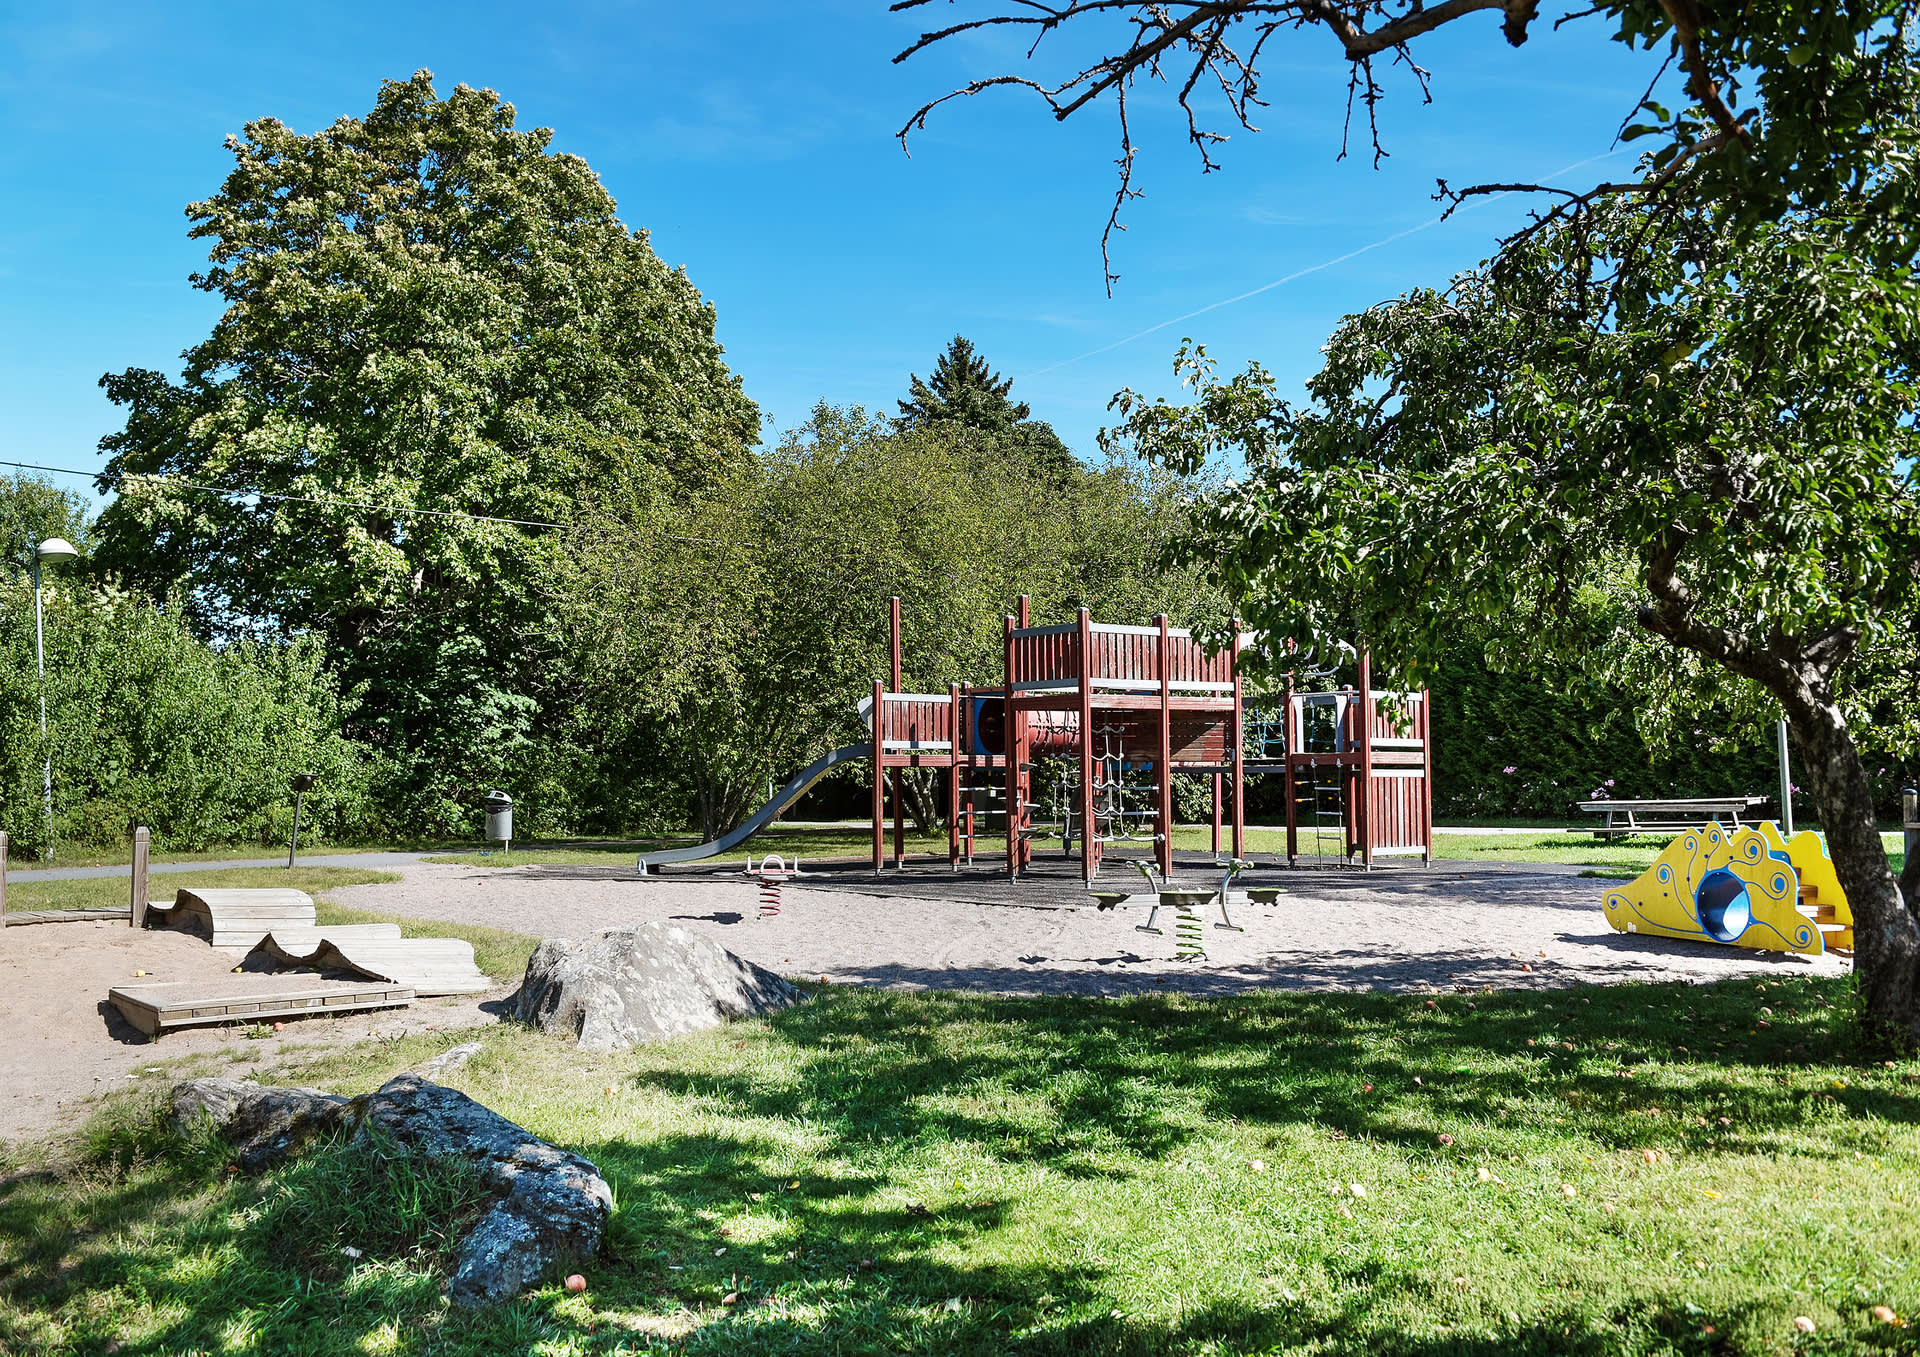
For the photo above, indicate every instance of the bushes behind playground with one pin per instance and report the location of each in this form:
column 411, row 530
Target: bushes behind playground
column 146, row 722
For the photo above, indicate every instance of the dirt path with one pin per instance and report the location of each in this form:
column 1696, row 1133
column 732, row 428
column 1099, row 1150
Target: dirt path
column 1407, row 930
column 64, row 1043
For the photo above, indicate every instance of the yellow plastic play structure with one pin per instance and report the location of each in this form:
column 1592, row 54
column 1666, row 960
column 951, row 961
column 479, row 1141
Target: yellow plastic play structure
column 1746, row 887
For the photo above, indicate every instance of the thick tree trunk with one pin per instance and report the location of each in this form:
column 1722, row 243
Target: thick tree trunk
column 1886, row 932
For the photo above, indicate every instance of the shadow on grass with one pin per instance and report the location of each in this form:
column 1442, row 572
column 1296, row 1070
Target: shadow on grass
column 154, row 1246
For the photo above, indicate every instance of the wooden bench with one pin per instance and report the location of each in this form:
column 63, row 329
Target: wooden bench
column 1671, row 816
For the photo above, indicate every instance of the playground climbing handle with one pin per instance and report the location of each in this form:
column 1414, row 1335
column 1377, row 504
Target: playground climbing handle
column 763, row 817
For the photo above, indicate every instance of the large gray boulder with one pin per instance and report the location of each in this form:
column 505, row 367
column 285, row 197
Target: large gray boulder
column 551, row 1205
column 646, row 983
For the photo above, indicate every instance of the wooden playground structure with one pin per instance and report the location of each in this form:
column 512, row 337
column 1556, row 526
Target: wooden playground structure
column 1118, row 712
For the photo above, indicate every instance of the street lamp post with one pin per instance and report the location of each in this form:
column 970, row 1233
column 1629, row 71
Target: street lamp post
column 52, row 549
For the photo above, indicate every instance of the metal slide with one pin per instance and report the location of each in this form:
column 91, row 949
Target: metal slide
column 763, row 817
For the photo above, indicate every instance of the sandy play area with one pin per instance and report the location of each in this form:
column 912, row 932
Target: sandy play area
column 1403, row 928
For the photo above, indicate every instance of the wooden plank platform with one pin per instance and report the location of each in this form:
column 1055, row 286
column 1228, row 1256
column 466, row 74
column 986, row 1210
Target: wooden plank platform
column 165, row 1005
column 21, row 917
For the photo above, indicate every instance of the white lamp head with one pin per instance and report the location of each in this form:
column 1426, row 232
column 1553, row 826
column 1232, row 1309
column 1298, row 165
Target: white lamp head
column 56, row 549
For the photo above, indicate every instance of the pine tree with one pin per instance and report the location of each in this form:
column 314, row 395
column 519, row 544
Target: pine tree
column 965, row 391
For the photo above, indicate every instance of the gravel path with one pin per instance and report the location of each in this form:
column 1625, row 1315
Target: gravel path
column 1404, row 929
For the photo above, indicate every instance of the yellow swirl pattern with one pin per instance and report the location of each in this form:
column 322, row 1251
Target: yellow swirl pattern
column 1664, row 900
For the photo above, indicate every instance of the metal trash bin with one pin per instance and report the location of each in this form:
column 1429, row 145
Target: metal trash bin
column 499, row 808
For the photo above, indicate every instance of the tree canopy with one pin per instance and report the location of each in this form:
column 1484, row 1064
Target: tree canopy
column 964, row 392
column 1683, row 431
column 32, row 509
column 744, row 624
column 439, row 340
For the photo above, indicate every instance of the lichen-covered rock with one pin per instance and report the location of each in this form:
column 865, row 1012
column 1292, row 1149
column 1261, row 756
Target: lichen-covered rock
column 265, row 1124
column 551, row 1204
column 628, row 986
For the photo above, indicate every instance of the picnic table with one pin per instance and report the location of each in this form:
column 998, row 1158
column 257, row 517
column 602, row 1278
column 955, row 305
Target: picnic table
column 1669, row 817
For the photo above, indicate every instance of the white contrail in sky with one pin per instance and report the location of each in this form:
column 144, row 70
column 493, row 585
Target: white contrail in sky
column 1302, row 273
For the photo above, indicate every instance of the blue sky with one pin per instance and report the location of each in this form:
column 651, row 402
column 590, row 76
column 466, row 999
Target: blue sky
column 755, row 142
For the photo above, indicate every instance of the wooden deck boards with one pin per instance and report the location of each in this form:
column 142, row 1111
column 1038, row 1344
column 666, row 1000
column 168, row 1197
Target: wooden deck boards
column 165, row 1005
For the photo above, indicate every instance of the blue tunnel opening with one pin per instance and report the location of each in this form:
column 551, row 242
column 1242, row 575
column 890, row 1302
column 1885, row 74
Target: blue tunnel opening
column 1724, row 909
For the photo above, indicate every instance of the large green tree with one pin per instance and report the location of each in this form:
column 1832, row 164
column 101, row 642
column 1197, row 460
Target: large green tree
column 438, row 337
column 32, row 509
column 1698, row 436
column 965, row 393
column 741, row 626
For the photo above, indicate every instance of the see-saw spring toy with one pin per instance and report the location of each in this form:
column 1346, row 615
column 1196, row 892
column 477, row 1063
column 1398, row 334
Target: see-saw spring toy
column 1745, row 887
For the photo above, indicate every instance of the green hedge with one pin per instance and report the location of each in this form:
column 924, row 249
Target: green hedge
column 148, row 723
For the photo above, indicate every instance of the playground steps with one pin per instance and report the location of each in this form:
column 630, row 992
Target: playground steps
column 234, row 920
column 429, row 966
column 160, row 1007
column 1836, row 932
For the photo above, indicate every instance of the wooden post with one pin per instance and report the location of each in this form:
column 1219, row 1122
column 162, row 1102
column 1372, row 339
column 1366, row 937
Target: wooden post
column 1290, row 788
column 1163, row 753
column 1011, row 756
column 1216, row 813
column 955, row 725
column 1363, row 726
column 1089, row 835
column 3, row 877
column 1237, row 756
column 138, row 886
column 879, row 777
column 1426, row 776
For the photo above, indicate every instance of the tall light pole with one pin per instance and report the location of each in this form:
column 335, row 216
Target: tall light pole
column 52, row 549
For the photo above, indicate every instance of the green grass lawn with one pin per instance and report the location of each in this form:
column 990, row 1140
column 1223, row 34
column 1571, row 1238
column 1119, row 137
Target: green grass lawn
column 1631, row 1170
column 120, row 856
column 102, row 892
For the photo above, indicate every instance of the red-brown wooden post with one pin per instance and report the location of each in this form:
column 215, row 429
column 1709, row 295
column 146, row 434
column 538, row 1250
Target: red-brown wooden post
column 954, row 708
column 1290, row 787
column 1364, row 723
column 1083, row 666
column 1216, row 814
column 879, row 776
column 1163, row 754
column 137, row 885
column 1011, row 757
column 1237, row 737
column 1426, row 775
column 899, row 774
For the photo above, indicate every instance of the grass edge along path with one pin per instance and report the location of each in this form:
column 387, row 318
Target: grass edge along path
column 1636, row 1170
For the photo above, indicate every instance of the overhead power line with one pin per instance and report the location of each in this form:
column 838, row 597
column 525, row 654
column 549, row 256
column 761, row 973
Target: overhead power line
column 232, row 493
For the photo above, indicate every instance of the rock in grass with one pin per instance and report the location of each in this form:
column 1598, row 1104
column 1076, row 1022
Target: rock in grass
column 264, row 1124
column 628, row 986
column 551, row 1205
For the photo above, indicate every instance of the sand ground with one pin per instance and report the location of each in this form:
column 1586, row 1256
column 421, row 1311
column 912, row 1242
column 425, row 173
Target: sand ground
column 1406, row 928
